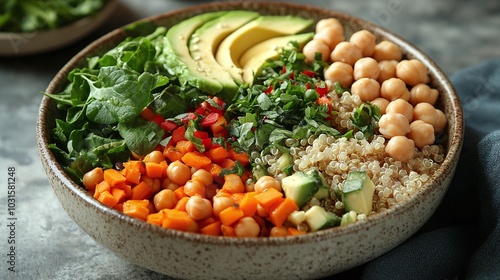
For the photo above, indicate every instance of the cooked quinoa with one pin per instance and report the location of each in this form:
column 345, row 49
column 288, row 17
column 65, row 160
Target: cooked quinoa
column 395, row 181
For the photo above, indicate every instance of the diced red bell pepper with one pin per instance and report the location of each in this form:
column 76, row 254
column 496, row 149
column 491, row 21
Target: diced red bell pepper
column 207, row 142
column 269, row 89
column 209, row 120
column 178, row 134
column 188, row 117
column 169, row 125
column 158, row 119
column 322, row 91
column 310, row 73
column 201, row 134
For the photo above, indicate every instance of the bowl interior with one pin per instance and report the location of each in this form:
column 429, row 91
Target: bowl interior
column 436, row 187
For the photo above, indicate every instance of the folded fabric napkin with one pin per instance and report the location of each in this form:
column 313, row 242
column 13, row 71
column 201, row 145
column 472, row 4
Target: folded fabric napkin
column 462, row 239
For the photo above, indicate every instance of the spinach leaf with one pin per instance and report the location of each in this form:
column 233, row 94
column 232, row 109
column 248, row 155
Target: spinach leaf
column 141, row 136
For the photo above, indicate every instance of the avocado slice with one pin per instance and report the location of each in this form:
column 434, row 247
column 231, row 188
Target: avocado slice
column 205, row 40
column 357, row 194
column 253, row 59
column 178, row 57
column 260, row 29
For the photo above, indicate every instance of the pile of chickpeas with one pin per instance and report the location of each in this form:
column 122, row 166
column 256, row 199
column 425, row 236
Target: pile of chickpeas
column 377, row 73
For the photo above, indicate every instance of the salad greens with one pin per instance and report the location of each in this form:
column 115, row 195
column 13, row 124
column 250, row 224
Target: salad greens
column 35, row 15
column 103, row 102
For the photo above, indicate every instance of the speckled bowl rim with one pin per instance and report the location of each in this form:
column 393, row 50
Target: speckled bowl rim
column 455, row 138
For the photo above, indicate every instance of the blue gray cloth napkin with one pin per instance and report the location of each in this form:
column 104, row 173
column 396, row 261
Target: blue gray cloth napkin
column 462, row 239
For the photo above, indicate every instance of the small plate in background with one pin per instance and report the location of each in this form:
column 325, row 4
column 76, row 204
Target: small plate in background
column 19, row 44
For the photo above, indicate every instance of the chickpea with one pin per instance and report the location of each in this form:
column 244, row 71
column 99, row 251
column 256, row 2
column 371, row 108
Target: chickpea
column 441, row 121
column 386, row 50
column 199, row 208
column 340, row 72
column 202, row 176
column 92, row 178
column 278, row 231
column 365, row 40
column 220, row 203
column 313, row 47
column 331, row 36
column 346, row 52
column 387, row 70
column 425, row 112
column 423, row 93
column 178, row 172
column 421, row 133
column 367, row 89
column 401, row 106
column 167, row 184
column 247, row 227
column 267, row 182
column 393, row 89
column 329, row 22
column 412, row 72
column 194, row 188
column 381, row 103
column 393, row 124
column 165, row 199
column 154, row 156
column 366, row 67
column 400, row 148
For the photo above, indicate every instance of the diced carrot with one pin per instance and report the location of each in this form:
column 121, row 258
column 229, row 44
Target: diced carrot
column 227, row 230
column 267, row 198
column 153, row 183
column 119, row 207
column 279, row 213
column 218, row 154
column 178, row 135
column 137, row 208
column 219, row 125
column 165, row 166
column 196, row 159
column 249, row 204
column 108, row 199
column 100, row 188
column 293, row 231
column 172, row 153
column 185, row 146
column 141, row 191
column 212, row 229
column 179, row 220
column 133, row 171
column 230, row 215
column 119, row 194
column 237, row 197
column 179, row 192
column 214, row 169
column 154, row 170
column 233, row 184
column 126, row 188
column 155, row 218
column 205, row 222
column 113, row 177
column 242, row 157
column 181, row 204
column 228, row 163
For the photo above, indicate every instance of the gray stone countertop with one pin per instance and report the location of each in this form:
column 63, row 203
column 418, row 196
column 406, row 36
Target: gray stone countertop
column 49, row 245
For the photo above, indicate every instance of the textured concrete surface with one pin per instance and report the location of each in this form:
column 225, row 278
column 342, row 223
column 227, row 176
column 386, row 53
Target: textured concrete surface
column 456, row 34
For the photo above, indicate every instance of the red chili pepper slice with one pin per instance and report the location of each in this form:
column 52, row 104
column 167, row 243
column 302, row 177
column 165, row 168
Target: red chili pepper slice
column 269, row 89
column 322, row 91
column 158, row 119
column 209, row 119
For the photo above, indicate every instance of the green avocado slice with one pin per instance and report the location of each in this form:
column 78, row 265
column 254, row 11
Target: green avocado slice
column 205, row 40
column 178, row 57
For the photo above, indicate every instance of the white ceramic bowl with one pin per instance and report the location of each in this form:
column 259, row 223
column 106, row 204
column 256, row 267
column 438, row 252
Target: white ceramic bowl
column 19, row 44
column 195, row 256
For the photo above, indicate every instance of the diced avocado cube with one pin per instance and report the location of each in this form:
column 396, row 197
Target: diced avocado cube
column 297, row 217
column 324, row 188
column 357, row 193
column 285, row 161
column 349, row 218
column 318, row 218
column 300, row 187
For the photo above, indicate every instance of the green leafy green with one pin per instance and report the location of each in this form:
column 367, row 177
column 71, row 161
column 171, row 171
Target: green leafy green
column 36, row 15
